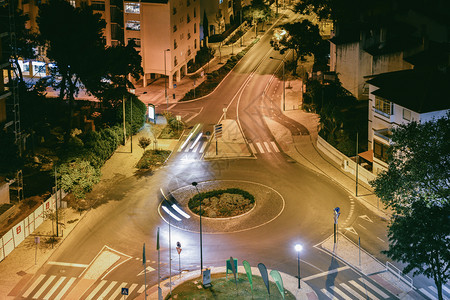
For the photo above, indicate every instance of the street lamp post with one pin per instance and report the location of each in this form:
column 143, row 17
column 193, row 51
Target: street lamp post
column 165, row 79
column 284, row 82
column 201, row 242
column 298, row 248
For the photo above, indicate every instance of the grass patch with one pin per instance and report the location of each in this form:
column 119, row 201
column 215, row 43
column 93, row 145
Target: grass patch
column 222, row 203
column 152, row 159
column 226, row 289
column 169, row 133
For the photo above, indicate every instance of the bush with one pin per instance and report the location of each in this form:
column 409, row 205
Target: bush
column 78, row 177
column 152, row 159
column 195, row 201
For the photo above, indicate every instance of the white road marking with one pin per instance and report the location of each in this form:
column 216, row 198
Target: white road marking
column 352, row 230
column 363, row 290
column 54, row 288
column 252, row 147
column 65, row 288
column 44, row 287
column 141, row 289
column 377, row 290
column 107, row 290
column 132, row 287
column 170, row 107
column 195, row 148
column 351, row 291
column 187, row 147
column 275, row 146
column 362, row 226
column 95, row 291
column 267, row 147
column 365, row 217
column 446, row 289
column 328, row 294
column 33, row 286
column 325, row 273
column 118, row 290
column 424, row 291
column 260, row 147
column 57, row 263
column 340, row 293
column 203, row 147
column 381, row 240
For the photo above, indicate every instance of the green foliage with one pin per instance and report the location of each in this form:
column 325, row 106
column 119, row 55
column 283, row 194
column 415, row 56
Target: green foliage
column 137, row 119
column 204, row 55
column 144, row 142
column 194, row 202
column 78, row 177
column 152, row 159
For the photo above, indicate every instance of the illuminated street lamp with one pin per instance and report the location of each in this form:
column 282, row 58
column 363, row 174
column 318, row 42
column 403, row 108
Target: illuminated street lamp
column 298, row 248
column 201, row 243
column 165, row 79
column 284, row 82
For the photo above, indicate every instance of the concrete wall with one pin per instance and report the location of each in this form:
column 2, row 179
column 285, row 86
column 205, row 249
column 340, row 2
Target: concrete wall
column 4, row 193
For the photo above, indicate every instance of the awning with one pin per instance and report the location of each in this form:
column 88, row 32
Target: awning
column 368, row 155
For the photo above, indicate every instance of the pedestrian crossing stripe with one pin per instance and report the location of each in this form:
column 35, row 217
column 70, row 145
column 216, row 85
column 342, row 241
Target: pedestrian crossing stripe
column 426, row 293
column 432, row 292
column 267, row 146
column 260, row 147
column 374, row 288
column 95, row 291
column 65, row 288
column 275, row 146
column 363, row 290
column 34, row 285
column 107, row 290
column 55, row 287
column 356, row 291
column 252, row 148
column 44, row 287
column 351, row 291
column 203, row 147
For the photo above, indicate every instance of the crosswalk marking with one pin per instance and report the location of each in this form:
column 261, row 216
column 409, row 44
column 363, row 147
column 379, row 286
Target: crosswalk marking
column 95, row 291
column 446, row 289
column 340, row 293
column 203, row 147
column 424, row 291
column 187, row 147
column 44, row 286
column 252, row 147
column 377, row 290
column 54, row 288
column 275, row 146
column 260, row 147
column 267, row 147
column 196, row 146
column 363, row 290
column 132, row 287
column 351, row 291
column 107, row 290
column 141, row 289
column 65, row 288
column 328, row 294
column 118, row 290
column 34, row 285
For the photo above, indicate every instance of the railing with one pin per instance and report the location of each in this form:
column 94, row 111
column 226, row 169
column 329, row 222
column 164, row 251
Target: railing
column 396, row 271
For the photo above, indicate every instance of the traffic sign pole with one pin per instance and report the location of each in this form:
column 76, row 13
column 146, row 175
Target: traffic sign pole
column 179, row 257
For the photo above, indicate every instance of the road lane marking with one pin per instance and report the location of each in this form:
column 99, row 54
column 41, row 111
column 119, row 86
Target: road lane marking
column 362, row 226
column 172, row 106
column 328, row 294
column 132, row 287
column 118, row 290
column 107, row 290
column 365, row 217
column 33, row 286
column 377, row 290
column 325, row 273
column 203, row 147
column 44, row 286
column 195, row 148
column 64, row 264
column 275, row 146
column 95, row 291
column 65, row 288
column 381, row 240
column 260, row 147
column 363, row 290
column 340, row 293
column 351, row 291
column 187, row 147
column 252, row 148
column 54, row 288
column 141, row 289
column 267, row 147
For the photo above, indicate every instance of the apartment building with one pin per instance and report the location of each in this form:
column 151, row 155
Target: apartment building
column 167, row 34
column 401, row 97
column 4, row 65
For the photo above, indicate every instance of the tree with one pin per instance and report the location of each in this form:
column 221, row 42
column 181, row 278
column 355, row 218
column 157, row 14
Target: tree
column 335, row 10
column 303, row 38
column 144, row 142
column 78, row 177
column 416, row 187
column 260, row 12
column 205, row 26
column 73, row 38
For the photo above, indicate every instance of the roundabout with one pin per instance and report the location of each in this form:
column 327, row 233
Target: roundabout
column 268, row 205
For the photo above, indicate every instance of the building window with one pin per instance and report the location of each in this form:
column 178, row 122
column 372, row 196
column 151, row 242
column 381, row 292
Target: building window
column 195, row 13
column 195, row 27
column 137, row 42
column 174, row 28
column 189, row 36
column 380, row 151
column 188, row 2
column 195, row 44
column 188, row 18
column 175, row 62
column 229, row 3
column 383, row 106
column 73, row 3
column 98, row 5
column 174, row 11
column 406, row 114
column 132, row 8
column 133, row 25
column 175, row 44
column 220, row 1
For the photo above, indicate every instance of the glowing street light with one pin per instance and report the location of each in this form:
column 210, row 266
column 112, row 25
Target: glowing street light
column 298, row 248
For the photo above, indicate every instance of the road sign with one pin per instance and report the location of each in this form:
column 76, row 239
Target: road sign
column 37, row 239
column 125, row 291
column 174, row 85
column 336, row 214
column 179, row 250
column 218, row 130
column 178, row 117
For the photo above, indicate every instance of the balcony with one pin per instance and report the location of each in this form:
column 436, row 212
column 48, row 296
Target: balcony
column 384, row 134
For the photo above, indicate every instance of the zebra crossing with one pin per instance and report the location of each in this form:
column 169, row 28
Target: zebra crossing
column 356, row 289
column 48, row 287
column 192, row 147
column 264, row 147
column 431, row 292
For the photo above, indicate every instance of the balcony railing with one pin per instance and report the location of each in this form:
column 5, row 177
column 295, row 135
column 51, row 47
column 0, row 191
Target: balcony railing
column 384, row 134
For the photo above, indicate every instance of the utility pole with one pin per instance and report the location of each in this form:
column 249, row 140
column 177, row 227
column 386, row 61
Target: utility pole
column 357, row 162
column 56, row 202
column 124, row 129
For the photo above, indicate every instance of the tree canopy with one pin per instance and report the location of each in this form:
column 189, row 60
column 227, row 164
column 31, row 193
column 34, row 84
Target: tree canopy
column 416, row 187
column 303, row 38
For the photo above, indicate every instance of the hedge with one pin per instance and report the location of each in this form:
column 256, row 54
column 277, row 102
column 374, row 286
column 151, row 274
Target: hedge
column 195, row 201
